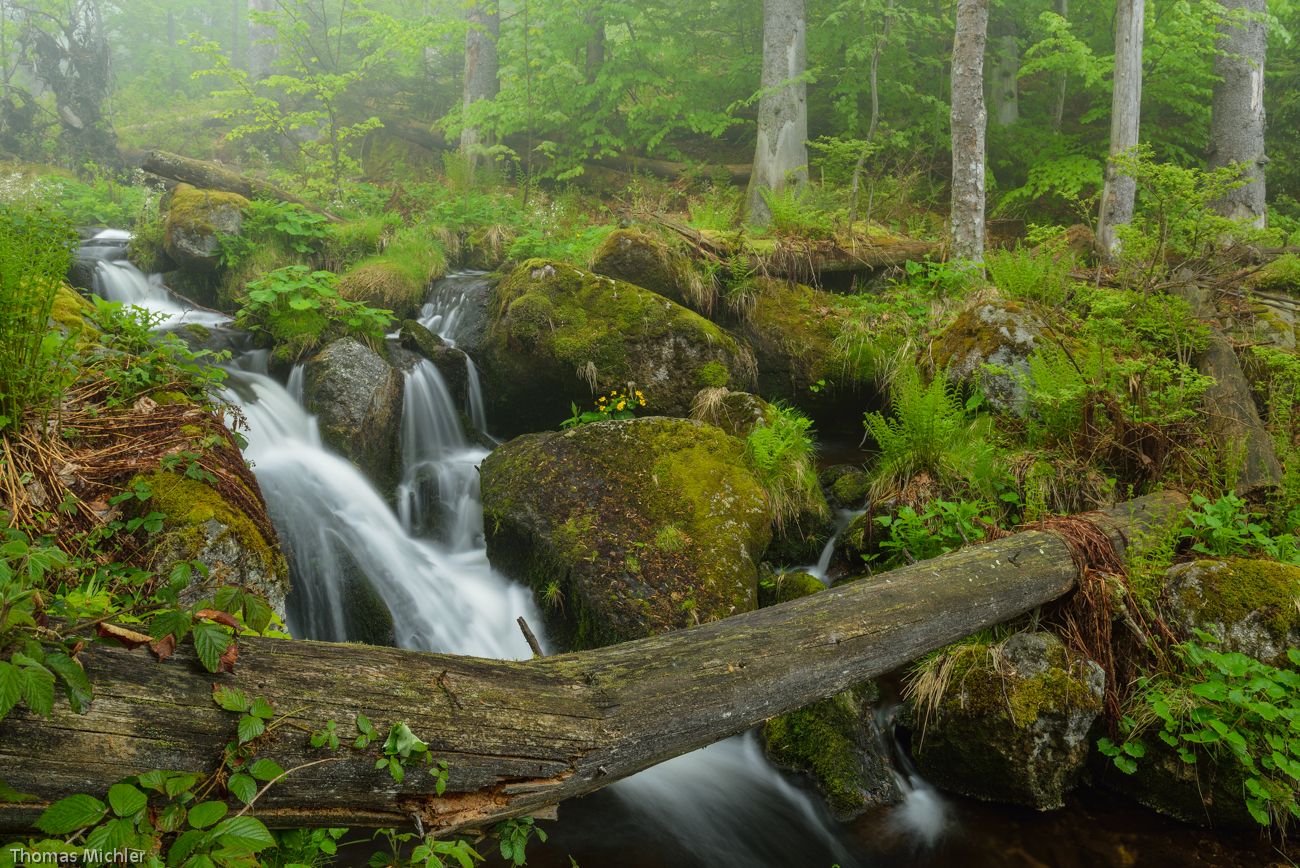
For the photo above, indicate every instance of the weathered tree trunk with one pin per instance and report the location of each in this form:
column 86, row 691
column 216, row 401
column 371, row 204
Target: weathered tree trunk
column 1126, row 111
column 207, row 176
column 1058, row 113
column 1233, row 423
column 781, row 155
column 595, row 20
column 518, row 737
column 969, row 121
column 871, row 128
column 1237, row 114
column 1004, row 87
column 481, row 69
column 261, row 57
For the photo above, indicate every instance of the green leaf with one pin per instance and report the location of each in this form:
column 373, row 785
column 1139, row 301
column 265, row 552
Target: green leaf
column 250, row 728
column 175, row 622
column 70, row 814
column 183, row 847
column 244, row 787
column 257, row 613
column 11, row 687
column 207, row 813
column 38, row 690
column 230, row 698
column 75, row 683
column 245, row 832
column 9, row 794
column 126, row 800
column 224, row 597
column 262, row 708
column 265, row 770
column 210, row 641
column 180, row 783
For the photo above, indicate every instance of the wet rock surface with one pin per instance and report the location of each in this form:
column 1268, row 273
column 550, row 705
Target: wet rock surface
column 1248, row 605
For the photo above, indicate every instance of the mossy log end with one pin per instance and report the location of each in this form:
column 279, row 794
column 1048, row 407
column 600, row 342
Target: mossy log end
column 209, row 176
column 519, row 737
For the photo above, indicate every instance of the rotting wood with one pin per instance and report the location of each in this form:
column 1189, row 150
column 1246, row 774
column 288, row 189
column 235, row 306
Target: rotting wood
column 519, row 737
column 209, row 176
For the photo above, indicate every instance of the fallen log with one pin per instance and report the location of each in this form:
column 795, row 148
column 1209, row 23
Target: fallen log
column 737, row 174
column 209, row 176
column 519, row 737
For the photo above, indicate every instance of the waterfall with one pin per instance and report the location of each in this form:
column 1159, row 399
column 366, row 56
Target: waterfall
column 115, row 279
column 843, row 518
column 474, row 398
column 444, row 310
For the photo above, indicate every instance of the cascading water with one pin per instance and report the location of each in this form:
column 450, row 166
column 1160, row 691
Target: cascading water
column 118, row 280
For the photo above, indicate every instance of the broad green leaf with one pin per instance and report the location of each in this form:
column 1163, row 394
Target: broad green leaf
column 75, row 683
column 126, row 800
column 177, row 623
column 180, row 783
column 230, row 698
column 250, row 728
column 246, row 832
column 9, row 794
column 207, row 813
column 244, row 787
column 265, row 770
column 38, row 690
column 210, row 641
column 183, row 847
column 70, row 814
column 11, row 687
column 257, row 614
column 261, row 708
column 200, row 860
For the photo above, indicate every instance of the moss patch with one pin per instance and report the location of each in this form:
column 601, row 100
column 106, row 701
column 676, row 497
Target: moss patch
column 787, row 587
column 819, row 739
column 1243, row 586
column 69, row 311
column 189, row 502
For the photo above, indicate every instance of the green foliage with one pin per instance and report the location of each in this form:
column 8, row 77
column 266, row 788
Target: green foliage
column 36, row 249
column 426, row 854
column 284, row 223
column 619, row 404
column 298, row 308
column 929, row 432
column 943, row 527
column 514, row 835
column 1226, row 527
column 1228, row 707
column 1023, row 274
column 794, row 214
column 100, row 200
column 782, row 455
column 716, row 208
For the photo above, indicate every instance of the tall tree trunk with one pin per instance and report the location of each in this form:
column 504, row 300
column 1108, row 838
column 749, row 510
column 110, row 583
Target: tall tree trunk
column 782, row 154
column 1237, row 118
column 969, row 120
column 595, row 19
column 1005, row 89
column 1125, row 114
column 1058, row 113
column 481, row 68
column 261, row 58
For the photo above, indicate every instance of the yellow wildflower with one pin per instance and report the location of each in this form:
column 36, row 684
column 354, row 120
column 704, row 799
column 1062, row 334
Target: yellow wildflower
column 622, row 404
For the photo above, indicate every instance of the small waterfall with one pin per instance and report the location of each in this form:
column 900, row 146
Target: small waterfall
column 118, row 280
column 443, row 313
column 923, row 816
column 474, row 398
column 843, row 518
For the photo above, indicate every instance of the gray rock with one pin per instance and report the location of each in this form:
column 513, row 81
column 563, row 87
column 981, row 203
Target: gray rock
column 989, row 346
column 1011, row 731
column 195, row 223
column 357, row 398
column 1248, row 605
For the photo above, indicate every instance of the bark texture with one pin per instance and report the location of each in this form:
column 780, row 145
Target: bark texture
column 1126, row 111
column 519, row 737
column 969, row 122
column 1004, row 88
column 481, row 69
column 1062, row 8
column 209, row 176
column 1237, row 113
column 782, row 112
column 1233, row 423
column 261, row 58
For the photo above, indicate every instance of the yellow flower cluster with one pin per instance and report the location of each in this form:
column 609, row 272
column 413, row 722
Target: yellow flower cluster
column 618, row 401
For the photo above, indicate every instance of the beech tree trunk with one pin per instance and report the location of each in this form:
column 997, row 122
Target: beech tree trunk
column 481, row 69
column 519, row 737
column 969, row 122
column 1237, row 114
column 1125, row 114
column 1005, row 89
column 1058, row 113
column 261, row 58
column 782, row 155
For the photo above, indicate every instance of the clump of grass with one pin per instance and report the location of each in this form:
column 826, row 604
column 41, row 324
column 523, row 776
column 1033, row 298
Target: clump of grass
column 670, row 538
column 781, row 454
column 929, row 432
column 36, row 249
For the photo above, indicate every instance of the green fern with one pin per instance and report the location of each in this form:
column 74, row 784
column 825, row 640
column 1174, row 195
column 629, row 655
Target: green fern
column 781, row 455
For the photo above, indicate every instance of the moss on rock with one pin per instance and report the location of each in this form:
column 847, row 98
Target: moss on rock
column 633, row 256
column 785, row 587
column 555, row 328
column 802, row 540
column 1249, row 605
column 197, row 220
column 989, row 346
column 847, row 486
column 68, row 311
column 626, row 529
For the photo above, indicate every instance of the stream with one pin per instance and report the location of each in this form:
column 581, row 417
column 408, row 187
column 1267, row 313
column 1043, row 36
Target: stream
column 725, row 806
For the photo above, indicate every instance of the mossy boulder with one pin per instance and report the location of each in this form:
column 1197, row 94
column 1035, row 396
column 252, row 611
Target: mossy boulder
column 737, row 413
column 1248, row 605
column 357, row 398
column 988, row 346
column 626, row 529
column 366, row 617
column 418, row 339
column 557, row 330
column 1011, row 726
column 792, row 330
column 68, row 314
column 838, row 741
column 847, row 486
column 633, row 256
column 202, row 525
column 196, row 221
column 397, row 280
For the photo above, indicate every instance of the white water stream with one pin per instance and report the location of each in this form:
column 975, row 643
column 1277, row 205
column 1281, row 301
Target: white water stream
column 724, row 806
column 119, row 280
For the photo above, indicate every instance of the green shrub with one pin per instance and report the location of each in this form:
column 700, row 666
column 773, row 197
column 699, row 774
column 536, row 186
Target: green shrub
column 717, row 208
column 793, row 214
column 943, row 527
column 781, row 454
column 36, row 248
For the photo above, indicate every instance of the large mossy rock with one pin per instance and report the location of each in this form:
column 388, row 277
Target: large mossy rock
column 357, row 398
column 196, row 221
column 989, row 346
column 737, row 413
column 633, row 256
column 626, row 529
column 846, row 486
column 802, row 540
column 838, row 741
column 555, row 329
column 201, row 525
column 1011, row 731
column 1248, row 605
